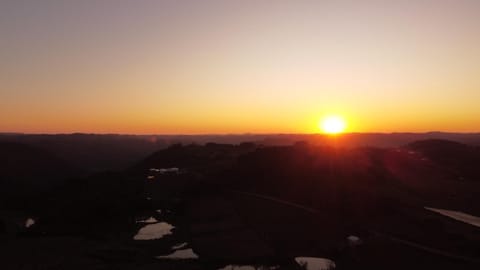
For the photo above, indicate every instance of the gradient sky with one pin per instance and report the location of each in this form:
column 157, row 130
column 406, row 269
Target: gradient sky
column 241, row 66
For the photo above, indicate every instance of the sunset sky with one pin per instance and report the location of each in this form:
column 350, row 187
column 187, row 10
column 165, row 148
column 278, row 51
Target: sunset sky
column 194, row 67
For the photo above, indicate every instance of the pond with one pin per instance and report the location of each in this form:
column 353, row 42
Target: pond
column 460, row 216
column 313, row 263
column 154, row 231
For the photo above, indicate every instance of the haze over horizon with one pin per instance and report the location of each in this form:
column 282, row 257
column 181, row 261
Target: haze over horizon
column 235, row 67
column 319, row 133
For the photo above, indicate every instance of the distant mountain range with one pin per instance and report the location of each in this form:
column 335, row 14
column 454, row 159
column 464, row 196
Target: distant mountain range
column 93, row 152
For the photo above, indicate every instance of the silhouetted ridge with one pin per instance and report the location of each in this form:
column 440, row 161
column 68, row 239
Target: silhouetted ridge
column 461, row 159
column 27, row 171
column 437, row 144
column 194, row 156
column 93, row 152
column 24, row 162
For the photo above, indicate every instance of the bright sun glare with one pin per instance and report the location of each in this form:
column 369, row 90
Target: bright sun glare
column 333, row 124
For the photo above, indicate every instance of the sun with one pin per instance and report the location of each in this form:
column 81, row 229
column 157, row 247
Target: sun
column 333, row 124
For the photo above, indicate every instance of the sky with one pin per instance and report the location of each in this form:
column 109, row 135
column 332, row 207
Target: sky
column 246, row 66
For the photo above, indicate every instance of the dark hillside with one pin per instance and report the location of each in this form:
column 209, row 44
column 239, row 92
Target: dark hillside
column 27, row 171
column 461, row 159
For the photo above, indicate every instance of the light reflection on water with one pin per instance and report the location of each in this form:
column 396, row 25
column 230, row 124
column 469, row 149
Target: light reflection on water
column 154, row 231
column 313, row 263
column 248, row 267
column 180, row 246
column 148, row 220
column 165, row 170
column 460, row 216
column 29, row 222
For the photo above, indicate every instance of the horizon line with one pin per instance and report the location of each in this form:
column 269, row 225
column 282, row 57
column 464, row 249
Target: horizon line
column 238, row 134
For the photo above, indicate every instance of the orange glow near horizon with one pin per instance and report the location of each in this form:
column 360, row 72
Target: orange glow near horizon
column 333, row 125
column 235, row 67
